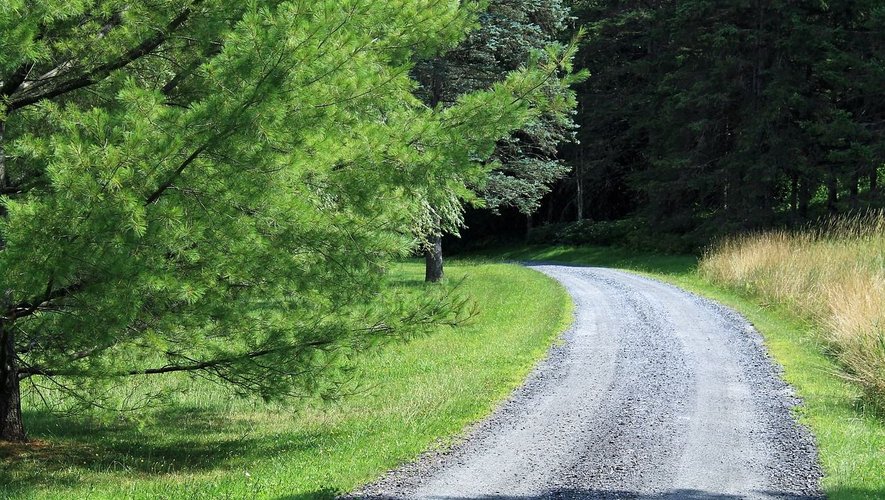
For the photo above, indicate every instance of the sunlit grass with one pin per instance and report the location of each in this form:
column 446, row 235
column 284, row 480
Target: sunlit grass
column 834, row 276
column 205, row 444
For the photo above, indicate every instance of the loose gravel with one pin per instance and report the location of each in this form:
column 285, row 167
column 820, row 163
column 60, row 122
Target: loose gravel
column 654, row 393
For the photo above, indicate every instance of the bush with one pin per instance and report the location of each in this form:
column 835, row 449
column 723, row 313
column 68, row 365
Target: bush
column 583, row 232
column 634, row 233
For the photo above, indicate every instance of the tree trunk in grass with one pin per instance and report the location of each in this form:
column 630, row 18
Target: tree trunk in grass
column 854, row 191
column 832, row 191
column 433, row 260
column 11, row 426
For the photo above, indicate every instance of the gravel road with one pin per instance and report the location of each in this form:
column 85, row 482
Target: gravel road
column 654, row 393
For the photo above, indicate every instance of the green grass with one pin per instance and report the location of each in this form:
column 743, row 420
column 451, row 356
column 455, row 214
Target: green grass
column 421, row 395
column 205, row 444
column 850, row 432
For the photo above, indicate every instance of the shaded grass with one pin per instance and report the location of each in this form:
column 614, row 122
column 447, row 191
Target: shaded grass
column 601, row 257
column 850, row 432
column 206, row 444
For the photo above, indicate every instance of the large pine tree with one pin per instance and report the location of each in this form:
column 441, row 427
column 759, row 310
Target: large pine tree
column 215, row 187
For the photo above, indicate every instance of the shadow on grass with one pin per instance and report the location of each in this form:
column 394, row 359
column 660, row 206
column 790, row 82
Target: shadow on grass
column 613, row 257
column 66, row 451
column 323, row 494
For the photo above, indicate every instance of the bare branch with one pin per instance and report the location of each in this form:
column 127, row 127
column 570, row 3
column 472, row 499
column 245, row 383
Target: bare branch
column 15, row 81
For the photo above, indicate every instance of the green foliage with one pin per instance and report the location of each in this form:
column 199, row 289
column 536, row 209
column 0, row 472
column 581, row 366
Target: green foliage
column 583, row 232
column 205, row 444
column 633, row 232
column 713, row 117
column 511, row 35
column 217, row 187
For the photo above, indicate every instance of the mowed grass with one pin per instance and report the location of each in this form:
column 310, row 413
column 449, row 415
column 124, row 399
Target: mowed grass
column 205, row 444
column 850, row 431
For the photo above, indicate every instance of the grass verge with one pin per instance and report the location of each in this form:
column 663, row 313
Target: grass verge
column 835, row 276
column 205, row 444
column 850, row 432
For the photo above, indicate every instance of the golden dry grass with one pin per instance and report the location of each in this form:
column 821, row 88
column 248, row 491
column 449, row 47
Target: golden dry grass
column 834, row 275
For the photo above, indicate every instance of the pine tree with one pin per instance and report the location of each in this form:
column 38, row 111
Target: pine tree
column 215, row 188
column 712, row 117
column 511, row 35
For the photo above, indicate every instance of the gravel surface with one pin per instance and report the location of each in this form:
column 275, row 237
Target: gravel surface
column 655, row 393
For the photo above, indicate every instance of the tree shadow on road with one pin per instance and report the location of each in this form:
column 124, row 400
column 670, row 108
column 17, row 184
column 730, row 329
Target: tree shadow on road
column 582, row 494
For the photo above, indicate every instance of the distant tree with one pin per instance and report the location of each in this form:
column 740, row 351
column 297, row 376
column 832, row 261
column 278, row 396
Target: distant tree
column 215, row 187
column 704, row 117
column 511, row 34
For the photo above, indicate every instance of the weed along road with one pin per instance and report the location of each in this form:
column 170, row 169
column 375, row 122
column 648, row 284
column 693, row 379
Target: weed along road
column 654, row 393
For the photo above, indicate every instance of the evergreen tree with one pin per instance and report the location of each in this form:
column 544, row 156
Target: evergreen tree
column 709, row 117
column 215, row 188
column 511, row 35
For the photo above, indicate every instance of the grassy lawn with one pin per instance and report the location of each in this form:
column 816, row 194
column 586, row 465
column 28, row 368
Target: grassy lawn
column 206, row 444
column 850, row 432
column 418, row 395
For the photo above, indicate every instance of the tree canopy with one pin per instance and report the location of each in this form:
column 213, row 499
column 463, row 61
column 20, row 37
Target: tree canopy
column 216, row 187
column 512, row 34
column 703, row 118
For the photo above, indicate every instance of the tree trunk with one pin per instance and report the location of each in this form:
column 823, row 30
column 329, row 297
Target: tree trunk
column 529, row 224
column 804, row 196
column 550, row 208
column 794, row 194
column 433, row 260
column 853, row 191
column 832, row 192
column 11, row 426
column 3, row 176
column 874, row 179
column 579, row 199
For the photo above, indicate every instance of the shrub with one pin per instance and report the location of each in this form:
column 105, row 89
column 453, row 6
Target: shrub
column 585, row 232
column 634, row 233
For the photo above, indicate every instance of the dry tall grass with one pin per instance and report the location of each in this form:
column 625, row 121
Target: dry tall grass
column 834, row 275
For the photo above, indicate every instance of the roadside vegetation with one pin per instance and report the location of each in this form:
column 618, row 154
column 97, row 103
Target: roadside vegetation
column 834, row 276
column 203, row 204
column 849, row 428
column 204, row 443
column 215, row 187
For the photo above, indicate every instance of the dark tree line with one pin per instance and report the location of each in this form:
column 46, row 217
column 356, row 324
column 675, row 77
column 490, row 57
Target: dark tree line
column 702, row 117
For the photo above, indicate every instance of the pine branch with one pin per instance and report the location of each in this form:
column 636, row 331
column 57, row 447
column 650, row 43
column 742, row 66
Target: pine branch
column 101, row 72
column 15, row 81
column 27, row 308
column 168, row 182
column 29, row 371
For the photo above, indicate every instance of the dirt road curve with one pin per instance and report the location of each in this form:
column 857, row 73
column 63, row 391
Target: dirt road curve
column 655, row 393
